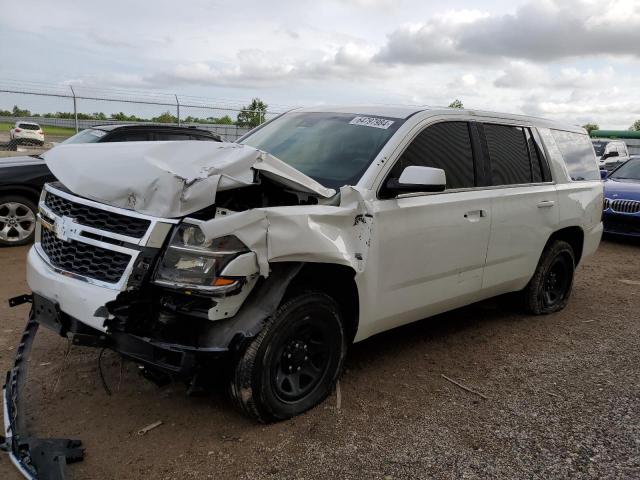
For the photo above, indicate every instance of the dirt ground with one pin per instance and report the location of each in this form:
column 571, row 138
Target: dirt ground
column 562, row 398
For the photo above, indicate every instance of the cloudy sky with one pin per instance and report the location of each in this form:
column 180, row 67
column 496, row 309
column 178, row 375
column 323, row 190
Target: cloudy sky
column 576, row 60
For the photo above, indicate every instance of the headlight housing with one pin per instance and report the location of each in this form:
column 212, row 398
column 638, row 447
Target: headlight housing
column 192, row 262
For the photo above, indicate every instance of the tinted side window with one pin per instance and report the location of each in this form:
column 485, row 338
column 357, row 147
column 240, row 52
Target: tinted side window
column 578, row 155
column 164, row 136
column 127, row 137
column 508, row 153
column 444, row 145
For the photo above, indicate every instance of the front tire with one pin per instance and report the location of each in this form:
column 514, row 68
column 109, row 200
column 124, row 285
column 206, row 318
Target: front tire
column 294, row 362
column 550, row 288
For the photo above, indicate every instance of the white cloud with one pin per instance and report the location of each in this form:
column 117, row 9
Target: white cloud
column 545, row 57
column 538, row 30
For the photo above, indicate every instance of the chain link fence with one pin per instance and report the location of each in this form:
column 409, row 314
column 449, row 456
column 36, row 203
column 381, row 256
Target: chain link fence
column 59, row 112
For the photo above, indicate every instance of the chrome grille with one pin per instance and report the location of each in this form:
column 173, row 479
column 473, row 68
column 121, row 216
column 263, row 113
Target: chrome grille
column 625, row 206
column 84, row 259
column 97, row 243
column 97, row 218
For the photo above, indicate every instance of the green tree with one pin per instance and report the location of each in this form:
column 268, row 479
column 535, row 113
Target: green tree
column 456, row 104
column 123, row 117
column 589, row 127
column 226, row 120
column 18, row 112
column 165, row 117
column 635, row 126
column 253, row 114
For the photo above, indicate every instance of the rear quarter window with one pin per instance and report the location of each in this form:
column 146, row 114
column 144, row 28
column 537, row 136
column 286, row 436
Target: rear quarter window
column 578, row 155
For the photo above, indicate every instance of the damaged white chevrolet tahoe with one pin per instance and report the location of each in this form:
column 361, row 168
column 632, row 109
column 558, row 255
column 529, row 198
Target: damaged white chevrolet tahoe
column 270, row 256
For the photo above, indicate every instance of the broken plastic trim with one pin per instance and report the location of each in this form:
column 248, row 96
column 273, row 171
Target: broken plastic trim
column 35, row 458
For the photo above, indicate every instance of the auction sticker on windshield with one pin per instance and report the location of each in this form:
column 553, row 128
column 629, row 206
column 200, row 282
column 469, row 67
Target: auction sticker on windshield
column 372, row 122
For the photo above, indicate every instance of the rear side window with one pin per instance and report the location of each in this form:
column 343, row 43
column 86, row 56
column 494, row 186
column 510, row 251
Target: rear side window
column 444, row 145
column 127, row 137
column 577, row 152
column 168, row 136
column 509, row 154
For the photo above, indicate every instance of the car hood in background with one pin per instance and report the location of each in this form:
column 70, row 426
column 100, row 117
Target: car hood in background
column 623, row 189
column 20, row 161
column 169, row 179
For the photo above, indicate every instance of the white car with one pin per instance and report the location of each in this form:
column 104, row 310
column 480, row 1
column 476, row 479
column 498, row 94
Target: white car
column 27, row 132
column 610, row 153
column 320, row 228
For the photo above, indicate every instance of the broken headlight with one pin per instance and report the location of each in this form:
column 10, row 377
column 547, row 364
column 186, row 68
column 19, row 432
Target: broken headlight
column 193, row 262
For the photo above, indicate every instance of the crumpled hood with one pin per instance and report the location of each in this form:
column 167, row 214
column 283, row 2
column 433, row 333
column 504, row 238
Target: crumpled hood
column 168, row 179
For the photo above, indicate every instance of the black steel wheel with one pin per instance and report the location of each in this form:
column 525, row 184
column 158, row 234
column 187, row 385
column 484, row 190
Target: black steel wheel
column 550, row 288
column 293, row 364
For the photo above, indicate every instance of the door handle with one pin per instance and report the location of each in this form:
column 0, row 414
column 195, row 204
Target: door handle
column 546, row 204
column 475, row 214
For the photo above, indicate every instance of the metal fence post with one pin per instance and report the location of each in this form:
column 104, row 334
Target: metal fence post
column 75, row 108
column 178, row 108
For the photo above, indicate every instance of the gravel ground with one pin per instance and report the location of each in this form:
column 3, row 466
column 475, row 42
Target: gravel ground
column 562, row 398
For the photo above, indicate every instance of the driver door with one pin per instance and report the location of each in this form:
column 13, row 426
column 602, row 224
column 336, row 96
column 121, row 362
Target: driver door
column 430, row 249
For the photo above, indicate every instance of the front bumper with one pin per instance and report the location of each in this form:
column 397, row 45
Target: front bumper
column 45, row 459
column 171, row 358
column 621, row 223
column 35, row 458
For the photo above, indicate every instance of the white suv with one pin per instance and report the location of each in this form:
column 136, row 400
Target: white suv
column 320, row 228
column 27, row 132
column 610, row 153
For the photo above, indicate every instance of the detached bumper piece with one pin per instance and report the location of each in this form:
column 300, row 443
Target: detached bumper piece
column 35, row 458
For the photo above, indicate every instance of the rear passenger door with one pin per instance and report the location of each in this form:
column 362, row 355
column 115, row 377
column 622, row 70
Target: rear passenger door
column 524, row 205
column 430, row 247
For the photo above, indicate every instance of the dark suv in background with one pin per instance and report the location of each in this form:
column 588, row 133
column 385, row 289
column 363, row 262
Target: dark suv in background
column 22, row 178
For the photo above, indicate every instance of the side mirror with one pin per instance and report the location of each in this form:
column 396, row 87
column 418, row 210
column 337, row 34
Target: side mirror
column 603, row 174
column 416, row 179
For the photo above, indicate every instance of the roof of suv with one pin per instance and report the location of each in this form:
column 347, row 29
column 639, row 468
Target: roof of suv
column 149, row 126
column 405, row 111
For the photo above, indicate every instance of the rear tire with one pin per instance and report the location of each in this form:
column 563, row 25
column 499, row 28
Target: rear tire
column 550, row 288
column 294, row 362
column 17, row 220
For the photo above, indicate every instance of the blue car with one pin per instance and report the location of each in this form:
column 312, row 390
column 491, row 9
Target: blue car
column 622, row 200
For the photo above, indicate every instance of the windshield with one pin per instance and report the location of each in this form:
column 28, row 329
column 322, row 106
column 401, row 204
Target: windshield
column 599, row 148
column 629, row 170
column 90, row 135
column 334, row 149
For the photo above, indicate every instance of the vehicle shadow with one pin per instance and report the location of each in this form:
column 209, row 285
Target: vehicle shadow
column 469, row 322
column 621, row 239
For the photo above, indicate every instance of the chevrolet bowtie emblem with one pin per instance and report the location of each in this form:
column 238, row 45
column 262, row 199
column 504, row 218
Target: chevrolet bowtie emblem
column 64, row 226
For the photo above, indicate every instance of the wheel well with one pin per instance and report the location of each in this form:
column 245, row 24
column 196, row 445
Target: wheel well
column 338, row 282
column 28, row 192
column 574, row 236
